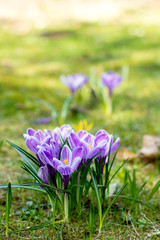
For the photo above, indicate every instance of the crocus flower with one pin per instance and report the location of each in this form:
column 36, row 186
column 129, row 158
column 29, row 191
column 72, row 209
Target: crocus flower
column 47, row 152
column 86, row 141
column 68, row 163
column 43, row 120
column 83, row 125
column 34, row 139
column 105, row 139
column 97, row 145
column 43, row 174
column 74, row 82
column 64, row 131
column 111, row 80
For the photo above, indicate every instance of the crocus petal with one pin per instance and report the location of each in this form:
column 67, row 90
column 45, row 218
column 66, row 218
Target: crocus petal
column 48, row 132
column 47, row 140
column 115, row 145
column 77, row 152
column 56, row 148
column 46, row 154
column 89, row 138
column 94, row 153
column 56, row 163
column 43, row 174
column 73, row 140
column 65, row 131
column 55, row 135
column 100, row 138
column 32, row 143
column 39, row 135
column 86, row 148
column 76, row 163
column 81, row 133
column 66, row 154
column 31, row 131
column 101, row 131
column 64, row 170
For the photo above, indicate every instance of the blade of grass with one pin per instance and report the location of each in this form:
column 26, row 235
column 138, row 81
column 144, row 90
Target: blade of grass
column 8, row 205
column 24, row 187
column 25, row 153
column 35, row 176
column 46, row 185
column 65, row 107
column 114, row 199
column 137, row 201
column 153, row 190
column 117, row 172
column 97, row 195
column 91, row 221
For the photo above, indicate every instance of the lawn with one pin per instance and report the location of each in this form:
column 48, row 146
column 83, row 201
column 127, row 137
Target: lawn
column 30, row 67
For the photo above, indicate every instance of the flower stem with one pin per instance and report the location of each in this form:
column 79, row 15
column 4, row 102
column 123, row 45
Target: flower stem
column 66, row 206
column 78, row 190
column 109, row 105
column 107, row 101
column 53, row 204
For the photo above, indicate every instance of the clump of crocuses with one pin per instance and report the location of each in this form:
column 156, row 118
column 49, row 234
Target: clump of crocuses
column 110, row 80
column 65, row 152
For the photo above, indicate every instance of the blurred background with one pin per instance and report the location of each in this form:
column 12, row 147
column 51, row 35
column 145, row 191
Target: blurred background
column 43, row 39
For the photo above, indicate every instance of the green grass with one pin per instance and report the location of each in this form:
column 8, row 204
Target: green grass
column 30, row 66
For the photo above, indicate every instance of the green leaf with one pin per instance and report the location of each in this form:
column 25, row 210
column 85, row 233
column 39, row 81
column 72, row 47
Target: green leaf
column 114, row 199
column 97, row 195
column 8, row 205
column 65, row 107
column 39, row 226
column 154, row 190
column 28, row 155
column 136, row 200
column 46, row 185
column 91, row 221
column 117, row 171
column 49, row 106
column 51, row 193
column 24, row 187
column 113, row 160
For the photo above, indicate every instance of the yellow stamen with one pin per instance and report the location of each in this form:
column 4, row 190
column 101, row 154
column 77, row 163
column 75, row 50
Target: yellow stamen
column 90, row 145
column 65, row 161
column 40, row 142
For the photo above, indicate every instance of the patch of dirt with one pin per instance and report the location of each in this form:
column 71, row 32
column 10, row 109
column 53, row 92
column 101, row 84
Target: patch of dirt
column 54, row 34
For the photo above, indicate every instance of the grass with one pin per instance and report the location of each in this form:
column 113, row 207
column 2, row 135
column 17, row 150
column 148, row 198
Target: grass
column 30, row 66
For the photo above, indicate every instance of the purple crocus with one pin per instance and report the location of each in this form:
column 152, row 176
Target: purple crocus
column 111, row 80
column 97, row 145
column 34, row 139
column 43, row 120
column 43, row 174
column 86, row 141
column 74, row 82
column 68, row 163
column 64, row 132
column 103, row 138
